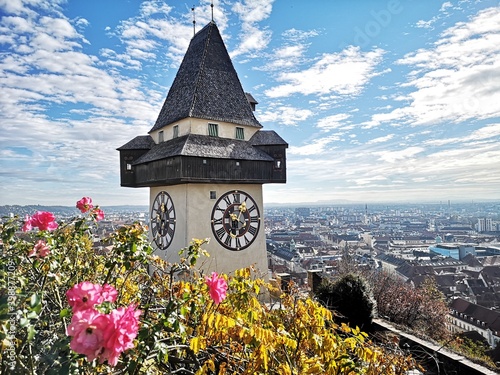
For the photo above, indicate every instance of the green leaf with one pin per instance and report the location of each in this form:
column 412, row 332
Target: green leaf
column 31, row 333
column 35, row 300
column 64, row 313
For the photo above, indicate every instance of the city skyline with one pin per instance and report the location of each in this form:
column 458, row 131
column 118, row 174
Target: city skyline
column 380, row 101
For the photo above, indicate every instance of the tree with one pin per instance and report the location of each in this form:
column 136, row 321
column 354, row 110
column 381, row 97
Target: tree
column 422, row 309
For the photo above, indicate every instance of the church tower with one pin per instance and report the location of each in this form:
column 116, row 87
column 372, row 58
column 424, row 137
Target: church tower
column 205, row 161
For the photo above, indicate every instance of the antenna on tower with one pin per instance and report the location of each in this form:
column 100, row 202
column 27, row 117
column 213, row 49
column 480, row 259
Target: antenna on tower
column 212, row 8
column 194, row 21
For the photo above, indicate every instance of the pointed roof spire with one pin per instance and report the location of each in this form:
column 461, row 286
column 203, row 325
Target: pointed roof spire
column 206, row 85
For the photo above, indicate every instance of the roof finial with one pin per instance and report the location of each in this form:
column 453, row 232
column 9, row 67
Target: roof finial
column 194, row 21
column 212, row 7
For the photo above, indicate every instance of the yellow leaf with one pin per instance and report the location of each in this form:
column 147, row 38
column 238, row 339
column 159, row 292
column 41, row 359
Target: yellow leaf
column 196, row 344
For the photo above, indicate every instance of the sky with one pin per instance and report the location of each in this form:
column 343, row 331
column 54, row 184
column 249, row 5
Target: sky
column 379, row 101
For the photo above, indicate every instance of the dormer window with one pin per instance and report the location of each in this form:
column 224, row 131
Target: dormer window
column 240, row 133
column 175, row 131
column 160, row 136
column 213, row 130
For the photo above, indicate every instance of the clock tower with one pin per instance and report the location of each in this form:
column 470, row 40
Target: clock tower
column 205, row 161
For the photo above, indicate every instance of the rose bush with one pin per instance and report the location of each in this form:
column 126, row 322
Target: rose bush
column 67, row 307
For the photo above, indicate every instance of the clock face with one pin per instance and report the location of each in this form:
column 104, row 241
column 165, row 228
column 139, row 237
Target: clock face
column 163, row 220
column 235, row 220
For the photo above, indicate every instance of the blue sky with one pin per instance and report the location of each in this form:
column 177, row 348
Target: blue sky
column 380, row 101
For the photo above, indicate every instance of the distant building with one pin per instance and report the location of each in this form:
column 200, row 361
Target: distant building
column 453, row 250
column 303, row 211
column 484, row 225
column 466, row 316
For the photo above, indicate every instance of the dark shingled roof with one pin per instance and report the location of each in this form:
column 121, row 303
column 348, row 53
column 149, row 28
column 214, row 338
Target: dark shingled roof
column 251, row 99
column 410, row 271
column 471, row 261
column 206, row 85
column 141, row 142
column 204, row 146
column 267, row 138
column 490, row 317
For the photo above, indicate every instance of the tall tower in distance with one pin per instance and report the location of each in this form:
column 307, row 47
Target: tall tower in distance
column 205, row 161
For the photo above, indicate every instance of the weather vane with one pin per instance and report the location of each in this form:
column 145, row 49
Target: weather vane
column 194, row 21
column 212, row 7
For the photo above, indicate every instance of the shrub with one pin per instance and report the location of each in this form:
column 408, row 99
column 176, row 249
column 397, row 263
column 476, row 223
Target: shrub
column 351, row 297
column 422, row 309
column 66, row 308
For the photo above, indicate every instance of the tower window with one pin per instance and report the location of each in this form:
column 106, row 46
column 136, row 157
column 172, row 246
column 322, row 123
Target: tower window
column 213, row 194
column 176, row 131
column 160, row 136
column 240, row 133
column 213, row 130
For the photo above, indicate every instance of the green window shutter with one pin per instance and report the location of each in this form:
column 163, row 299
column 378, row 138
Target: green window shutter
column 213, row 130
column 240, row 133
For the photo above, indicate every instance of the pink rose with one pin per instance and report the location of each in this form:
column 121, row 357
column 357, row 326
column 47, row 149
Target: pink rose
column 217, row 287
column 44, row 221
column 98, row 214
column 88, row 328
column 121, row 332
column 109, row 293
column 27, row 224
column 84, row 204
column 86, row 295
column 40, row 250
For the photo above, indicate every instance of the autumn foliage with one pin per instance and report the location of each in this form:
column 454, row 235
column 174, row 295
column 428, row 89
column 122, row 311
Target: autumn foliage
column 422, row 309
column 154, row 317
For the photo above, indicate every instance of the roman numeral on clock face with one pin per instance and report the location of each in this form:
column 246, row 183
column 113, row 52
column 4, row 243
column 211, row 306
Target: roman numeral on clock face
column 235, row 220
column 162, row 220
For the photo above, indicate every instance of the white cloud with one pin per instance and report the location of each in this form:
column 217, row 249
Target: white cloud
column 489, row 132
column 380, row 139
column 253, row 11
column 344, row 73
column 285, row 115
column 456, row 80
column 428, row 24
column 333, row 122
column 253, row 40
column 151, row 7
column 295, row 35
column 396, row 156
column 45, row 83
column 317, row 147
column 291, row 54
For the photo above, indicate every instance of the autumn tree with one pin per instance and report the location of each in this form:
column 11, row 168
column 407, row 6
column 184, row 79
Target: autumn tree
column 422, row 309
